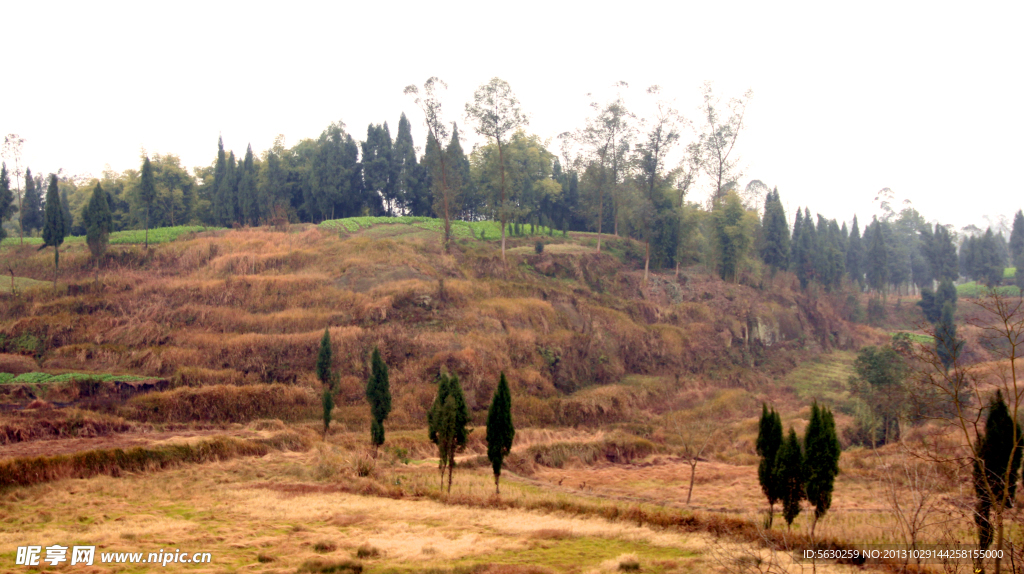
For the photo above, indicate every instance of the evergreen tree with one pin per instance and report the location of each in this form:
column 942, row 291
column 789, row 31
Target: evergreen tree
column 32, row 205
column 877, row 260
column 411, row 195
column 946, row 294
column 988, row 261
column 147, row 190
column 447, row 420
column 733, row 237
column 378, row 394
column 323, row 359
column 220, row 203
column 323, row 372
column 769, row 440
column 472, row 204
column 996, row 468
column 790, row 477
column 855, row 255
column 808, row 252
column 775, row 250
column 65, row 210
column 54, row 229
column 500, row 430
column 7, row 207
column 942, row 255
column 248, row 202
column 378, row 169
column 98, row 225
column 947, row 346
column 932, row 312
column 795, row 252
column 1017, row 237
column 822, row 449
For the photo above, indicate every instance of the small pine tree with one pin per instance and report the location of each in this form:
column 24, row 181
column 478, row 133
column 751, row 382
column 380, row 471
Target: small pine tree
column 447, row 420
column 98, row 223
column 323, row 372
column 996, row 468
column 769, row 440
column 946, row 344
column 822, row 449
column 790, row 477
column 31, row 205
column 54, row 229
column 323, row 359
column 7, row 207
column 378, row 393
column 147, row 190
column 500, row 430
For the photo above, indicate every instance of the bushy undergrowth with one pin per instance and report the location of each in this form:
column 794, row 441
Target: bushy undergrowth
column 59, row 423
column 35, row 470
column 130, row 236
column 223, row 404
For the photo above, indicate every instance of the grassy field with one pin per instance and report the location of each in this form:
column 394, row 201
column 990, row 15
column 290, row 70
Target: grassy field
column 131, row 236
column 20, row 284
column 487, row 230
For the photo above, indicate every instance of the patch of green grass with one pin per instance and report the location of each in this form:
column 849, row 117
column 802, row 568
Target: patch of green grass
column 583, row 552
column 825, row 379
column 915, row 337
column 973, row 290
column 1009, row 273
column 21, row 284
column 488, row 230
column 46, row 378
column 129, row 236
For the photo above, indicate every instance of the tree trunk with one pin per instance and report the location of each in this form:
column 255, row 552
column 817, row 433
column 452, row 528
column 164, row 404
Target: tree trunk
column 451, row 465
column 693, row 473
column 501, row 206
column 600, row 216
column 999, row 538
column 647, row 261
column 147, row 227
column 496, row 489
column 56, row 265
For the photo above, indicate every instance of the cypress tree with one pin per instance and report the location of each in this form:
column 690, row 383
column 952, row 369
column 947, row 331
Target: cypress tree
column 378, row 169
column 946, row 294
column 248, row 202
column 411, row 193
column 65, row 210
column 822, row 449
column 1017, row 237
column 147, row 190
column 942, row 255
column 769, row 440
column 808, row 254
column 323, row 372
column 795, row 253
column 323, row 359
column 790, row 477
column 932, row 312
column 220, row 203
column 31, row 205
column 877, row 259
column 378, row 394
column 947, row 346
column 500, row 430
column 988, row 261
column 471, row 204
column 447, row 420
column 996, row 468
column 7, row 207
column 54, row 229
column 98, row 224
column 775, row 250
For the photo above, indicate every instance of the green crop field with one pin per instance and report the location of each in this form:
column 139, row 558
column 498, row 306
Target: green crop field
column 129, row 236
column 46, row 378
column 973, row 290
column 488, row 230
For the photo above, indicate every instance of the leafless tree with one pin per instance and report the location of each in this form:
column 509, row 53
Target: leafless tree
column 722, row 127
column 13, row 145
column 695, row 429
column 445, row 186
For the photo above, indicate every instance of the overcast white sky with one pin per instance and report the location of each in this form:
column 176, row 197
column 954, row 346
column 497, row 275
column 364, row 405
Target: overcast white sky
column 924, row 98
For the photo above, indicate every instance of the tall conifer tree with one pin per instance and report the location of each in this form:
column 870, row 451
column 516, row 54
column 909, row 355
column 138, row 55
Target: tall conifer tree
column 500, row 430
column 822, row 450
column 790, row 476
column 996, row 470
column 447, row 420
column 378, row 394
column 248, row 202
column 769, row 441
column 54, row 229
column 98, row 225
column 147, row 190
column 775, row 250
column 31, row 205
column 7, row 207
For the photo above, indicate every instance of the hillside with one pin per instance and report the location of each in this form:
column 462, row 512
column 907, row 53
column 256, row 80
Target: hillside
column 248, row 306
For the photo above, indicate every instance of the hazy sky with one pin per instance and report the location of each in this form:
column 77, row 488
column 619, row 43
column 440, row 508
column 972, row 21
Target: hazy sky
column 924, row 98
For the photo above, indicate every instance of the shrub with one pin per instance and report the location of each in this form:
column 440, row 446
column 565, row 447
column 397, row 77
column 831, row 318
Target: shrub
column 325, row 546
column 367, row 551
column 539, row 247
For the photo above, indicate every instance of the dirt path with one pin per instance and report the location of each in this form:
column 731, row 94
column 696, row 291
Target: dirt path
column 124, row 441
